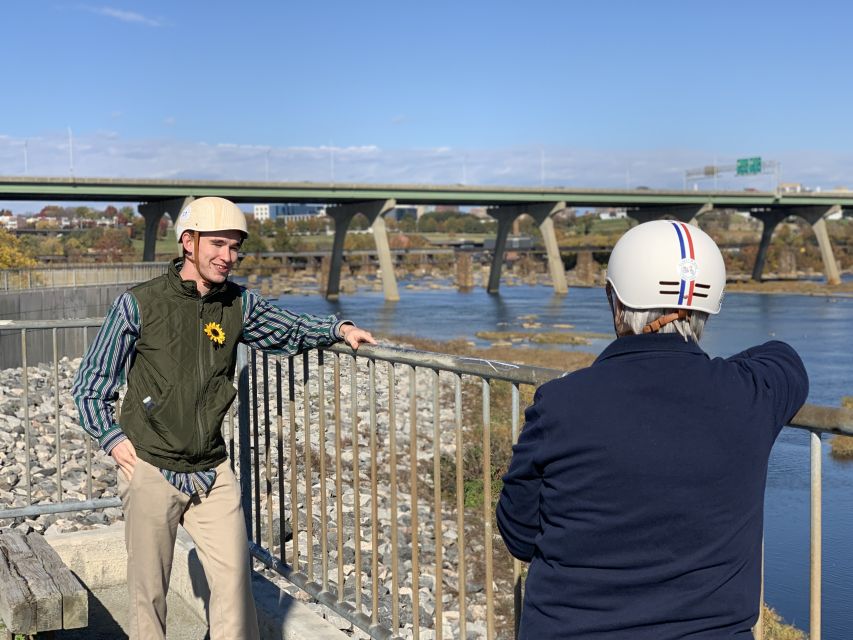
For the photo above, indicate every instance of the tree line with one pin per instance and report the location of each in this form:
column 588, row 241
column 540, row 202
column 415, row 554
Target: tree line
column 117, row 234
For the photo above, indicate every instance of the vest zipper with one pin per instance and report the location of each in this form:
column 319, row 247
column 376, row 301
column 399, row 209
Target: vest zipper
column 198, row 397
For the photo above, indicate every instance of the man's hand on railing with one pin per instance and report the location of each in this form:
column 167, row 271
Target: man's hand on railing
column 354, row 336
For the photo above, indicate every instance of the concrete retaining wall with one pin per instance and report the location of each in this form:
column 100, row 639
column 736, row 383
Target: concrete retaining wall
column 52, row 304
column 99, row 560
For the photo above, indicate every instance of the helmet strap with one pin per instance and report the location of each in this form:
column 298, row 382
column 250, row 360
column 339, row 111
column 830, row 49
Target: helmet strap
column 196, row 238
column 655, row 325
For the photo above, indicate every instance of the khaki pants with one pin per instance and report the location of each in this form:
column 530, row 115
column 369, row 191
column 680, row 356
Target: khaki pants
column 153, row 508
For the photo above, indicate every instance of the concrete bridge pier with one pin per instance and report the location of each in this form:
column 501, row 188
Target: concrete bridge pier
column 816, row 217
column 343, row 215
column 505, row 217
column 152, row 212
column 543, row 215
column 769, row 219
column 683, row 212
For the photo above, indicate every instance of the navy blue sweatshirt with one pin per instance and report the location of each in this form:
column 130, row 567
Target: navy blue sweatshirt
column 636, row 490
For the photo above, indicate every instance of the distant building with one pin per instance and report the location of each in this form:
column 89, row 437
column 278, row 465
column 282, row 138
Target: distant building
column 612, row 214
column 8, row 221
column 790, row 187
column 290, row 211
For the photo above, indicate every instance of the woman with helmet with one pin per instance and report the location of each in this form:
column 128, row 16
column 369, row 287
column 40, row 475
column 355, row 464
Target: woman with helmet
column 177, row 337
column 636, row 489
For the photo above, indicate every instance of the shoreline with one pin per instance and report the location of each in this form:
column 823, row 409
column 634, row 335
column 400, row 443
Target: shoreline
column 796, row 287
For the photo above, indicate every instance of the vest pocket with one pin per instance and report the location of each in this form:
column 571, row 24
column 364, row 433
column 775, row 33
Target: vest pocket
column 153, row 398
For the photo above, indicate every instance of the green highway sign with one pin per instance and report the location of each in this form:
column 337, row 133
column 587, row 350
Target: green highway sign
column 748, row 166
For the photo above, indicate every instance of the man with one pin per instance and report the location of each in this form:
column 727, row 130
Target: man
column 636, row 488
column 177, row 335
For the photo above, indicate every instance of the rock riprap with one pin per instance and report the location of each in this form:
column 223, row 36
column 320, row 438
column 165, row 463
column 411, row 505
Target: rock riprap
column 86, row 472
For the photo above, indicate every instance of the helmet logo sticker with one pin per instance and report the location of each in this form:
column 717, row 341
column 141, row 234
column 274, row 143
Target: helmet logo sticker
column 687, row 269
column 185, row 213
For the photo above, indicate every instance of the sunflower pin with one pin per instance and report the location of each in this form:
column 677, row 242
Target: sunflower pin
column 215, row 332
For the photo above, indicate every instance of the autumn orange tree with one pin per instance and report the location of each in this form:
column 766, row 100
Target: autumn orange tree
column 12, row 254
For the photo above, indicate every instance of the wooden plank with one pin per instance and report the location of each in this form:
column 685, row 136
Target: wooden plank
column 45, row 598
column 16, row 608
column 75, row 598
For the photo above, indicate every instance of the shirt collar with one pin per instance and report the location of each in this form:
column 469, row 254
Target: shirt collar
column 188, row 288
column 649, row 343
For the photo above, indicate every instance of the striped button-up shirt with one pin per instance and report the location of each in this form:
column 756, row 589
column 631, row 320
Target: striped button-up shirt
column 266, row 327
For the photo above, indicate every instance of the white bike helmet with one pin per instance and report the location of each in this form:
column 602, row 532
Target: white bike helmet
column 667, row 264
column 211, row 214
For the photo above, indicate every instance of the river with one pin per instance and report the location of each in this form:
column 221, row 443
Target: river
column 820, row 328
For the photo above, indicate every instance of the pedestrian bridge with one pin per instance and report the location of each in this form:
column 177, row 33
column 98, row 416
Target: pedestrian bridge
column 383, row 462
column 160, row 197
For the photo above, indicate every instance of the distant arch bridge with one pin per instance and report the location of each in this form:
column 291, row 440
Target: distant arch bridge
column 505, row 204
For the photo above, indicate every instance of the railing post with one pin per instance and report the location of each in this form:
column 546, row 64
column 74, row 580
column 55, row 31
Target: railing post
column 25, row 383
column 487, row 510
column 816, row 533
column 243, row 435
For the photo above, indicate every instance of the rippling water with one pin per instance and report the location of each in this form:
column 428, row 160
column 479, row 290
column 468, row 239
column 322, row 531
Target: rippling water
column 820, row 328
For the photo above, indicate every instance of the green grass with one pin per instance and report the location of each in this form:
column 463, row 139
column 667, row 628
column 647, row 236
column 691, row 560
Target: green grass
column 18, row 636
column 163, row 247
column 776, row 629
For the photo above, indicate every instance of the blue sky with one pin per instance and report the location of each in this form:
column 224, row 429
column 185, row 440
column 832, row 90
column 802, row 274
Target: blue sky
column 598, row 94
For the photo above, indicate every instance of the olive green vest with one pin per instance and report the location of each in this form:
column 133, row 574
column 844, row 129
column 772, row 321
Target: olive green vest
column 180, row 385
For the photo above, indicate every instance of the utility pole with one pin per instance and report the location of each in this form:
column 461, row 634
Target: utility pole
column 70, row 152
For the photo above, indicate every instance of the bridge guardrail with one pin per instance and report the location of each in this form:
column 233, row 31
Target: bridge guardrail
column 380, row 461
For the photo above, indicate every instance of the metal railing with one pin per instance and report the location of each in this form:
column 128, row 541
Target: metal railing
column 379, row 462
column 78, row 275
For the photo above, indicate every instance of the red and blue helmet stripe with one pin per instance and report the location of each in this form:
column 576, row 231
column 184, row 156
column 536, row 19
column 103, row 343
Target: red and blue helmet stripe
column 686, row 242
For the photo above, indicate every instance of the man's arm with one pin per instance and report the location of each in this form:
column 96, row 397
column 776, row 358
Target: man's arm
column 101, row 373
column 278, row 330
column 518, row 506
column 777, row 369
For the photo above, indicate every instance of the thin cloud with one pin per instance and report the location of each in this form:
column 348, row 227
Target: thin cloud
column 124, row 16
column 107, row 155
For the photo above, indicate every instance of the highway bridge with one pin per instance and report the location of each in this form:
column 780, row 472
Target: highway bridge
column 159, row 197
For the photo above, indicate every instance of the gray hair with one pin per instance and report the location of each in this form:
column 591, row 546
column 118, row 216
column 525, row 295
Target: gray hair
column 629, row 321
